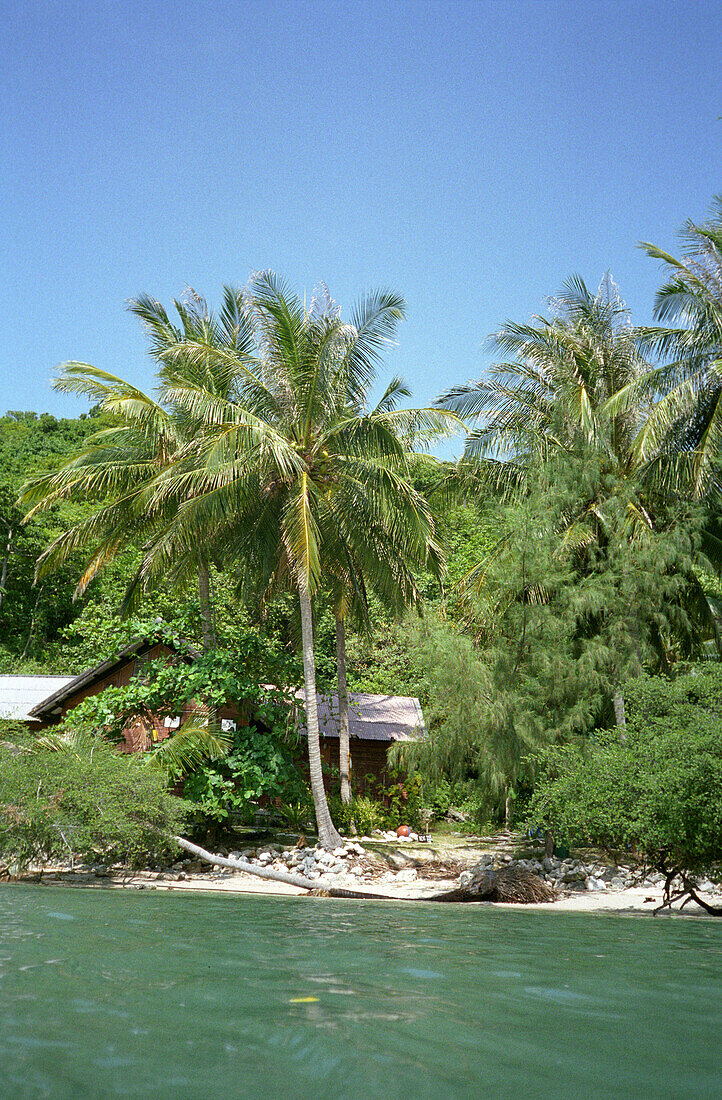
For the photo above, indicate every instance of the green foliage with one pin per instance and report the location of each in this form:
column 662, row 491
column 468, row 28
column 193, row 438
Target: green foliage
column 225, row 775
column 658, row 791
column 362, row 813
column 211, row 681
column 258, row 766
column 76, row 797
column 298, row 813
column 575, row 597
column 441, row 795
column 32, row 617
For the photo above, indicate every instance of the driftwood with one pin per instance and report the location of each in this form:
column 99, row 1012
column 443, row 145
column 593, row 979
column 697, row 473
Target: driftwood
column 275, row 876
column 510, row 884
column 686, row 893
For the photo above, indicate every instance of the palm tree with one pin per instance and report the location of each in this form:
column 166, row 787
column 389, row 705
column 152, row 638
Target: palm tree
column 558, row 387
column 295, row 476
column 689, row 342
column 390, row 576
column 116, row 465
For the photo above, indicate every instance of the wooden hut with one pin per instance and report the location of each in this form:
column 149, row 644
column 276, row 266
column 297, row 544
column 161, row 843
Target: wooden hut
column 375, row 721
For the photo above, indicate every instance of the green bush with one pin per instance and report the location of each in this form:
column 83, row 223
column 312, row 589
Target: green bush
column 298, row 814
column 258, row 766
column 77, row 798
column 362, row 813
column 658, row 792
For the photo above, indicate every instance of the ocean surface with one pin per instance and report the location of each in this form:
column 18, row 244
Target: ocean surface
column 124, row 993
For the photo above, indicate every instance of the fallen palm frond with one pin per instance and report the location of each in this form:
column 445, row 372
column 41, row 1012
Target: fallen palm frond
column 510, row 884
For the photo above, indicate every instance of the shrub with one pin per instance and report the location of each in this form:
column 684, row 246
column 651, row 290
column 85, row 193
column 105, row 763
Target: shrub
column 362, row 813
column 76, row 797
column 658, row 792
column 258, row 766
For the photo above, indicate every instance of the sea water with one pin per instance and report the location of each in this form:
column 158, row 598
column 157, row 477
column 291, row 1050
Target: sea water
column 126, row 993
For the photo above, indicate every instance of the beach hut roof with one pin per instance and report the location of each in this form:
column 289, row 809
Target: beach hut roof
column 20, row 694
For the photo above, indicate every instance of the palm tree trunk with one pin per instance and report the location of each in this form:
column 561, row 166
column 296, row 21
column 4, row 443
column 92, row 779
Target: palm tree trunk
column 204, row 596
column 33, row 619
column 279, row 876
column 343, row 725
column 209, row 635
column 328, row 836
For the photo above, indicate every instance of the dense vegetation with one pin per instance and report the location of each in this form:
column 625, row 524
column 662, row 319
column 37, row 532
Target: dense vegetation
column 73, row 797
column 656, row 792
column 262, row 506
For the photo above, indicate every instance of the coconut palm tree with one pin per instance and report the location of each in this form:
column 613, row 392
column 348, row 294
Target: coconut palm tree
column 688, row 418
column 116, row 465
column 557, row 385
column 389, row 575
column 579, row 381
column 297, row 473
column 576, row 388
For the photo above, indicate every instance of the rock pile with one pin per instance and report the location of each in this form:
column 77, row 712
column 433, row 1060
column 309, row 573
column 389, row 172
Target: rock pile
column 390, row 834
column 342, row 866
column 566, row 875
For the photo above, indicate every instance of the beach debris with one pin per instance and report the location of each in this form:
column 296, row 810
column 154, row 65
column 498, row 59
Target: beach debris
column 510, row 884
column 304, row 882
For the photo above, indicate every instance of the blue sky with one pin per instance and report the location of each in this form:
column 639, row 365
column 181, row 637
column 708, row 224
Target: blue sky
column 469, row 155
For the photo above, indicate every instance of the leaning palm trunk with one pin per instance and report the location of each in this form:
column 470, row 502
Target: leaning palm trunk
column 327, row 834
column 274, row 876
column 343, row 724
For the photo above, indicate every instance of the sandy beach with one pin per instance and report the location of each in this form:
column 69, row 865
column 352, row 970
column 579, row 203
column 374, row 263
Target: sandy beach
column 637, row 901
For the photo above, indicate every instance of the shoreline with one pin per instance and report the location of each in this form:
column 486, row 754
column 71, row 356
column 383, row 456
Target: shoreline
column 635, row 901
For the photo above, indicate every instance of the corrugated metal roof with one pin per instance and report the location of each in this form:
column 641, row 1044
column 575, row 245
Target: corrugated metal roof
column 19, row 694
column 52, row 702
column 373, row 717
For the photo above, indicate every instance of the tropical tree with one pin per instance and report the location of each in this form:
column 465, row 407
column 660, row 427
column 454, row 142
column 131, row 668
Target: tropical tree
column 116, row 465
column 296, row 475
column 596, row 572
column 558, row 385
column 688, row 418
column 578, row 388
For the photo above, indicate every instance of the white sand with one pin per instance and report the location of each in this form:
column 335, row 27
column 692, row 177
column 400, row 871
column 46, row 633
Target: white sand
column 632, row 901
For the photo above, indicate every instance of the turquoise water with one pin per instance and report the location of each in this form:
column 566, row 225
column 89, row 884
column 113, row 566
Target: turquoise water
column 165, row 995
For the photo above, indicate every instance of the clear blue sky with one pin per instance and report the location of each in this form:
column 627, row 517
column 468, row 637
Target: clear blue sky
column 469, row 155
